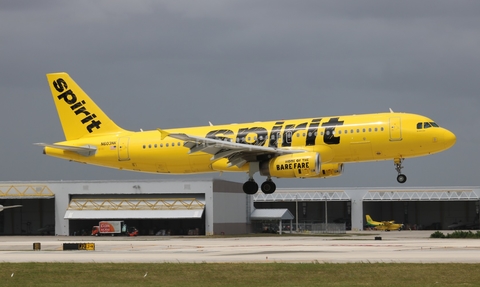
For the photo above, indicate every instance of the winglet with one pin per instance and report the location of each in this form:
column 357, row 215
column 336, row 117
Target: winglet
column 163, row 133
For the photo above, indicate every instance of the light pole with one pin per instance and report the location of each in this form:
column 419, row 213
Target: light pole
column 326, row 220
column 296, row 211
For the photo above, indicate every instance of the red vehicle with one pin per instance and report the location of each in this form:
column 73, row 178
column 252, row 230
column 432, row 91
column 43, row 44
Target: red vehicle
column 109, row 227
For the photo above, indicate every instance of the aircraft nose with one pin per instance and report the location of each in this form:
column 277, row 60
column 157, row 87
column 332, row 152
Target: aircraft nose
column 449, row 139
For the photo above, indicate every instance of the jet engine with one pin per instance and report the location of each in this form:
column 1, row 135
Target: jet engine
column 298, row 165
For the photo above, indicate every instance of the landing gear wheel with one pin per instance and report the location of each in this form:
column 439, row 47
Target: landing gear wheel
column 250, row 187
column 268, row 187
column 401, row 178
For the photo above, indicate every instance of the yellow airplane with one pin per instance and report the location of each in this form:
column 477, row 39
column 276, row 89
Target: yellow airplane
column 298, row 148
column 383, row 225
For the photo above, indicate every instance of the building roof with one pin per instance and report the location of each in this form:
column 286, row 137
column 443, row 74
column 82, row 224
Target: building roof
column 135, row 208
column 271, row 214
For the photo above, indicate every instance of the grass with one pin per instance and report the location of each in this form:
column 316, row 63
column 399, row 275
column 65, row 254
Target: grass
column 233, row 274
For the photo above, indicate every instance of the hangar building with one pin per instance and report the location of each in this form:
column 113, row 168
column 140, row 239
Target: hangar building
column 202, row 207
column 207, row 207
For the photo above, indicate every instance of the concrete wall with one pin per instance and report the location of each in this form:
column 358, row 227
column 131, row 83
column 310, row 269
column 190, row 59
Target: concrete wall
column 229, row 208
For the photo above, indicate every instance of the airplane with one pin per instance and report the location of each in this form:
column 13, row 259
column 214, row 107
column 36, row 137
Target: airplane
column 298, row 148
column 7, row 207
column 383, row 225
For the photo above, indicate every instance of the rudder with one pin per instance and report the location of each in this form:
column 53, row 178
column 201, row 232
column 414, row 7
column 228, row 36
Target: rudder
column 78, row 114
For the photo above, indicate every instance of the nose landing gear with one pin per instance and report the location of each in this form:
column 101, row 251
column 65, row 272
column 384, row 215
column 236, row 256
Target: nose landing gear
column 401, row 178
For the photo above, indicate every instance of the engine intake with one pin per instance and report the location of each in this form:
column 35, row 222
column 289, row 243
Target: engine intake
column 292, row 165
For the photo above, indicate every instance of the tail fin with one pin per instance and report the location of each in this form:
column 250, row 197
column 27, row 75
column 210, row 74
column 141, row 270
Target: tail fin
column 78, row 114
column 369, row 219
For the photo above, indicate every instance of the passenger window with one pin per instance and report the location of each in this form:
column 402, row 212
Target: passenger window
column 340, row 132
column 376, row 129
column 369, row 130
column 381, row 129
column 161, row 145
column 144, row 146
column 155, row 146
column 363, row 130
column 166, row 144
column 358, row 131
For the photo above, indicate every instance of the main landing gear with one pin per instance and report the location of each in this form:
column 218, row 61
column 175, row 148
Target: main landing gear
column 251, row 187
column 401, row 178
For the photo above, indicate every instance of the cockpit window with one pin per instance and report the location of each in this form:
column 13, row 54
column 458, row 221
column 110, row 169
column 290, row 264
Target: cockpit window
column 426, row 125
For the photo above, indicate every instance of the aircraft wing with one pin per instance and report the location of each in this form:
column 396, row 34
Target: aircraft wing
column 6, row 207
column 237, row 154
column 12, row 206
column 87, row 150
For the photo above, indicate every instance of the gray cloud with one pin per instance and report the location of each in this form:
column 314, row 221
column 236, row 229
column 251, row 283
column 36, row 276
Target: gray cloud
column 168, row 64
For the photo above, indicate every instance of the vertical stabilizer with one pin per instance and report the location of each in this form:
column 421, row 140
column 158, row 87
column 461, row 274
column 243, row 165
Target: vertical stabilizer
column 369, row 219
column 78, row 114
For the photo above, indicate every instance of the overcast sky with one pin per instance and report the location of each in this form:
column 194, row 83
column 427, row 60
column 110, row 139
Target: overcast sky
column 169, row 64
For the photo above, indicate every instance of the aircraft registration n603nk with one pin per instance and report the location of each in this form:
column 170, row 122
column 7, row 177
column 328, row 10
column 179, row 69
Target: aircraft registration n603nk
column 298, row 148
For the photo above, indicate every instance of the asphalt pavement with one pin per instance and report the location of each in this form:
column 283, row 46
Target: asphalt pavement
column 354, row 247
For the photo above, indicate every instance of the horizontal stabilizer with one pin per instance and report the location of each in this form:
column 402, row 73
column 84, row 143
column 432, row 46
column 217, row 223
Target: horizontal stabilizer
column 86, row 150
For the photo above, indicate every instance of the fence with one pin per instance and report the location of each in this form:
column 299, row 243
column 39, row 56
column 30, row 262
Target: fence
column 304, row 227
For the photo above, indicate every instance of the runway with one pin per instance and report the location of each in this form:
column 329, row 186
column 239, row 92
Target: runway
column 398, row 247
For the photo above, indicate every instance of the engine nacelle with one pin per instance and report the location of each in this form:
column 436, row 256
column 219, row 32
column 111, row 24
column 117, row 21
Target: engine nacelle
column 331, row 169
column 299, row 165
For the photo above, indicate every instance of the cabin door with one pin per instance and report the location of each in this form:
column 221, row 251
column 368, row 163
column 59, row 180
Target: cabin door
column 395, row 129
column 123, row 149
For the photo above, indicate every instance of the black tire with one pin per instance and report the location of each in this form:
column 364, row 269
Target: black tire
column 250, row 187
column 268, row 187
column 401, row 178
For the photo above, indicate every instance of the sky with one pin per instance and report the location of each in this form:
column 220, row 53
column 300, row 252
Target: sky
column 166, row 64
